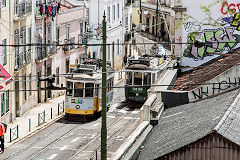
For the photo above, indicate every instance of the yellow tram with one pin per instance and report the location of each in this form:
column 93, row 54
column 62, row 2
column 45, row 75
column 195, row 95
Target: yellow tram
column 84, row 82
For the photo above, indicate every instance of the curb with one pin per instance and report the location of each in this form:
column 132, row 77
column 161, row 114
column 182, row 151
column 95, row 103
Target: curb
column 39, row 128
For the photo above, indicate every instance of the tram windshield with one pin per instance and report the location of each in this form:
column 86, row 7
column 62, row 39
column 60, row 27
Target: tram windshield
column 69, row 88
column 147, row 79
column 137, row 78
column 89, row 87
column 78, row 89
column 129, row 78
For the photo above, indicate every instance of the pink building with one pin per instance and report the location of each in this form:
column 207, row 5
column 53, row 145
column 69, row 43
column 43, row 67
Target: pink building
column 68, row 26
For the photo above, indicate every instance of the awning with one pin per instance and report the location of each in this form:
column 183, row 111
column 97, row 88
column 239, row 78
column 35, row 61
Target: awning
column 5, row 75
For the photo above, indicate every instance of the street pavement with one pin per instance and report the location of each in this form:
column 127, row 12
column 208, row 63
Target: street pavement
column 28, row 123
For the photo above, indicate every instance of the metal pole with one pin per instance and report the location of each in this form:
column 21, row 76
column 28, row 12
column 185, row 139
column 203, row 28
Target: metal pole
column 58, row 108
column 104, row 95
column 10, row 134
column 44, row 115
column 29, row 125
column 140, row 10
column 51, row 112
column 157, row 20
column 17, row 131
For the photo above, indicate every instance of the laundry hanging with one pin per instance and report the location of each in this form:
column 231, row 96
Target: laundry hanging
column 50, row 9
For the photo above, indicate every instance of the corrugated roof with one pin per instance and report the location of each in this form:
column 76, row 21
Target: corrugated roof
column 188, row 123
column 188, row 80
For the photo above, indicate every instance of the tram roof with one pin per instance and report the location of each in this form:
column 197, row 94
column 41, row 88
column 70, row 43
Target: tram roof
column 95, row 75
column 144, row 63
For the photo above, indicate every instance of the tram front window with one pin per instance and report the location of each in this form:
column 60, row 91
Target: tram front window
column 137, row 78
column 129, row 78
column 147, row 79
column 69, row 88
column 89, row 89
column 78, row 92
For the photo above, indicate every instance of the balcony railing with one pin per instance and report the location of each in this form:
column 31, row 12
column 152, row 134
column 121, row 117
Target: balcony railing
column 66, row 46
column 28, row 56
column 52, row 49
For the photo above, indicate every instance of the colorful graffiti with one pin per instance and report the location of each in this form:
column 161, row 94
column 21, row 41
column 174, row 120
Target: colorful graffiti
column 217, row 40
column 230, row 8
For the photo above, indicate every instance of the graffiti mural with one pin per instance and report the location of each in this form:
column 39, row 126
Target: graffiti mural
column 217, row 40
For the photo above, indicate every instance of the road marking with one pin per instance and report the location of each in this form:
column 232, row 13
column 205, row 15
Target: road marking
column 135, row 112
column 96, row 124
column 64, row 147
column 131, row 118
column 110, row 116
column 122, row 111
column 52, row 156
column 75, row 140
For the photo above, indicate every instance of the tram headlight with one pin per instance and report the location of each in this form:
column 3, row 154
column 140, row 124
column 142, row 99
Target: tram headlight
column 77, row 106
column 137, row 94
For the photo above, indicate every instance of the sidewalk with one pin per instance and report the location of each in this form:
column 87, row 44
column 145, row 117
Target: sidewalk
column 35, row 115
column 27, row 124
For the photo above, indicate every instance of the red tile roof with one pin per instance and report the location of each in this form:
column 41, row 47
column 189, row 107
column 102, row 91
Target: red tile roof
column 200, row 75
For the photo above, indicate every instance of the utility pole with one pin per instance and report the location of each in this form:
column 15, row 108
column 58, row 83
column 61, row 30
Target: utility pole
column 157, row 20
column 104, row 94
column 140, row 7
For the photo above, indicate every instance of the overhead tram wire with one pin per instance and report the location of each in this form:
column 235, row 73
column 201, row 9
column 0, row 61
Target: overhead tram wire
column 139, row 86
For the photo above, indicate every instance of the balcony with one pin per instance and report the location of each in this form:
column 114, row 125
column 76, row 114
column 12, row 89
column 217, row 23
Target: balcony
column 21, row 10
column 51, row 50
column 28, row 57
column 70, row 44
column 41, row 53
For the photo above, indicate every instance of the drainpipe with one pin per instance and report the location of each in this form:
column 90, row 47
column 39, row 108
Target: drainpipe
column 45, row 62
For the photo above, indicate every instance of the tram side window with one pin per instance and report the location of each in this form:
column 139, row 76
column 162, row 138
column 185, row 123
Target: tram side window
column 137, row 78
column 78, row 92
column 129, row 78
column 69, row 88
column 147, row 79
column 89, row 87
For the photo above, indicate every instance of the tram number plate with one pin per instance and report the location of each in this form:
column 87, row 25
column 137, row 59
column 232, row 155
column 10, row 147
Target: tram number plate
column 137, row 89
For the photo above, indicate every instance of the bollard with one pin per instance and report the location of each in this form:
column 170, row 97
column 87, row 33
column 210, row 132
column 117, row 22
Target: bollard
column 29, row 125
column 10, row 134
column 38, row 119
column 17, row 131
column 51, row 112
column 58, row 108
column 44, row 116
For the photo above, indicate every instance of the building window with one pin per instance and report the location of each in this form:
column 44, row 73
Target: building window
column 57, row 73
column 29, row 38
column 81, row 28
column 87, row 15
column 118, row 47
column 16, row 11
column 118, row 10
column 3, row 3
column 108, row 14
column 24, row 84
column 3, row 104
column 4, row 51
column 16, row 42
column 49, row 34
column 113, row 10
column 58, row 35
column 7, row 100
column 23, row 38
column 30, row 84
column 67, row 32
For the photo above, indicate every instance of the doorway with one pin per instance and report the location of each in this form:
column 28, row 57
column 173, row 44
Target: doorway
column 17, row 109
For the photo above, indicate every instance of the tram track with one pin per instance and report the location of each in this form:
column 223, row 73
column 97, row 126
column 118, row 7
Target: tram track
column 111, row 138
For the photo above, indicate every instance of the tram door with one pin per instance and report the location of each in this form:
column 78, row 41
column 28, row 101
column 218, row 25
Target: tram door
column 97, row 95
